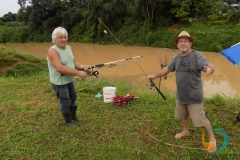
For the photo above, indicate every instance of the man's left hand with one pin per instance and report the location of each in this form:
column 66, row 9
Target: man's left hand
column 208, row 70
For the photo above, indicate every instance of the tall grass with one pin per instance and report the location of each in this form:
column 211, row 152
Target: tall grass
column 17, row 64
column 32, row 127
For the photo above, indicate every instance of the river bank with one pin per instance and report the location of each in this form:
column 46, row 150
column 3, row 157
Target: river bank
column 224, row 81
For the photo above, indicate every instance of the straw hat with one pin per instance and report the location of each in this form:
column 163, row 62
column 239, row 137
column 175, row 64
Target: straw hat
column 183, row 34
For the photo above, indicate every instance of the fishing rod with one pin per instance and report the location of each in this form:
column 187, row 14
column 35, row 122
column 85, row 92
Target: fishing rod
column 96, row 73
column 152, row 84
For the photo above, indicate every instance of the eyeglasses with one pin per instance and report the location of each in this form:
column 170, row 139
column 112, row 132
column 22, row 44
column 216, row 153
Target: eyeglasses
column 186, row 41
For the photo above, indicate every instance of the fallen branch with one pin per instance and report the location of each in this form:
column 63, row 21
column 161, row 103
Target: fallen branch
column 173, row 145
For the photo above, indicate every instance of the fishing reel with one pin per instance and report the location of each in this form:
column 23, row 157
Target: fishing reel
column 93, row 73
column 151, row 84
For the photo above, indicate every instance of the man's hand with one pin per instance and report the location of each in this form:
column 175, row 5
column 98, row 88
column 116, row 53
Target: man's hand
column 82, row 74
column 208, row 70
column 83, row 68
column 150, row 77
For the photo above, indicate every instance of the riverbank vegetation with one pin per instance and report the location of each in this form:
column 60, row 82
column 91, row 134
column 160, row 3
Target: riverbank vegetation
column 213, row 23
column 32, row 127
column 17, row 64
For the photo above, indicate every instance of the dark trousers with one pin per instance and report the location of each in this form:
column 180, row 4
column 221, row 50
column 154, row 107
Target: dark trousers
column 66, row 95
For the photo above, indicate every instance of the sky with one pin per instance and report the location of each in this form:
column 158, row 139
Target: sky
column 8, row 6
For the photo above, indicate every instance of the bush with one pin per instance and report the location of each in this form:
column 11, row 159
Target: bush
column 215, row 47
column 2, row 23
column 12, row 24
column 6, row 34
column 233, row 18
column 150, row 38
column 20, row 34
column 23, row 69
column 213, row 17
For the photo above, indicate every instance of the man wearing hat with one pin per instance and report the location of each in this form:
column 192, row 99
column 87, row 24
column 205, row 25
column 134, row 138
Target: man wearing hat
column 188, row 65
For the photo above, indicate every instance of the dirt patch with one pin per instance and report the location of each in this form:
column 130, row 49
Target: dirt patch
column 175, row 27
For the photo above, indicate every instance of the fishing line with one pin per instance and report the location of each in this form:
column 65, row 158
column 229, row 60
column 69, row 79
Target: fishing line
column 121, row 44
column 164, row 57
column 152, row 84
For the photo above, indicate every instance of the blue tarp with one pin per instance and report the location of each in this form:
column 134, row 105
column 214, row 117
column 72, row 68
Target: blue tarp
column 232, row 54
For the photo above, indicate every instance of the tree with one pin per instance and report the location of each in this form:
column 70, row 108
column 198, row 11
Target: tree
column 181, row 9
column 203, row 8
column 42, row 11
column 24, row 14
column 9, row 17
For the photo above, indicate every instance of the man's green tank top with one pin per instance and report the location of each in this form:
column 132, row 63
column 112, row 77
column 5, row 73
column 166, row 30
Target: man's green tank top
column 67, row 59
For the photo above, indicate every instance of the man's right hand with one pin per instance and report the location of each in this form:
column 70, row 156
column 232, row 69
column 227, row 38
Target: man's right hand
column 151, row 77
column 82, row 74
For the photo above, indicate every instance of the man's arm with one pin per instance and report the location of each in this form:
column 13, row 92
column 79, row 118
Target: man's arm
column 55, row 60
column 163, row 72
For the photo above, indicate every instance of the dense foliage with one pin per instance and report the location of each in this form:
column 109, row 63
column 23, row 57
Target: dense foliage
column 138, row 22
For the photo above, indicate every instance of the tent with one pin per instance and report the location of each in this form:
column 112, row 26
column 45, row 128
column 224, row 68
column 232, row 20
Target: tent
column 233, row 54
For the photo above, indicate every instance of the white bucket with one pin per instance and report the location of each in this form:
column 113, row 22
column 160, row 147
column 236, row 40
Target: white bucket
column 108, row 94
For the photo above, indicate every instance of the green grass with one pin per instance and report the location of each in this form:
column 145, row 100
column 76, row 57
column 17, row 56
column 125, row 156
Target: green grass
column 14, row 63
column 31, row 125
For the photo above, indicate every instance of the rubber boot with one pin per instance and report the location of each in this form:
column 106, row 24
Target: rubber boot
column 68, row 120
column 73, row 114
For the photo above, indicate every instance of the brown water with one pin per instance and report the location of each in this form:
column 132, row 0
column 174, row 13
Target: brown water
column 224, row 81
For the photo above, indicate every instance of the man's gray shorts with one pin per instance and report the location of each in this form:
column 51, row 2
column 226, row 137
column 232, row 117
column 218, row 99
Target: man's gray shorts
column 196, row 112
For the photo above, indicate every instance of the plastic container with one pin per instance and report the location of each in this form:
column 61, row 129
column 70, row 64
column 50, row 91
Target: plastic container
column 108, row 94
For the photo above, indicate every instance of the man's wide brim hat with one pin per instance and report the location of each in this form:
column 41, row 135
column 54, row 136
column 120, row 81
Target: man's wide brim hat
column 183, row 34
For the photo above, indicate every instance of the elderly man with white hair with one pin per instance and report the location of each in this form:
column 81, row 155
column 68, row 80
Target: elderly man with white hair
column 62, row 68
